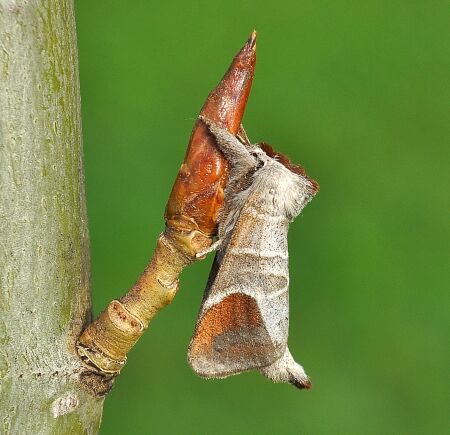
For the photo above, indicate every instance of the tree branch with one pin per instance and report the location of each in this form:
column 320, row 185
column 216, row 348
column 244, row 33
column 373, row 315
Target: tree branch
column 191, row 219
column 44, row 244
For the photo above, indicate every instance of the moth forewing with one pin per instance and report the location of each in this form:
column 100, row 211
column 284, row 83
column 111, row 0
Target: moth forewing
column 231, row 335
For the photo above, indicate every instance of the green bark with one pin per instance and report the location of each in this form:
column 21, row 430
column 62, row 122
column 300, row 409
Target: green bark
column 44, row 244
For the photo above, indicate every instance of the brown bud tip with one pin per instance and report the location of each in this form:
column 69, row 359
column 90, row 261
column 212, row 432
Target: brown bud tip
column 197, row 194
column 251, row 42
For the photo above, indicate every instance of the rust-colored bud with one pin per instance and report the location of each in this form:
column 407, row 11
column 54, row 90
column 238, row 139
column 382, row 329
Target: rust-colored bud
column 197, row 194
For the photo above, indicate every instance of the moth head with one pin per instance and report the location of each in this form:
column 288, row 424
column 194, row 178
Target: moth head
column 287, row 188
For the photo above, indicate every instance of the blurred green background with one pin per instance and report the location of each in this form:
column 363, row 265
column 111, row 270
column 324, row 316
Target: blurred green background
column 358, row 92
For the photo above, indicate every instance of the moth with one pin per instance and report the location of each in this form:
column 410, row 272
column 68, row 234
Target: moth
column 244, row 315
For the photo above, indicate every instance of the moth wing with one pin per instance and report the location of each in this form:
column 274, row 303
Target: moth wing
column 230, row 335
column 229, row 338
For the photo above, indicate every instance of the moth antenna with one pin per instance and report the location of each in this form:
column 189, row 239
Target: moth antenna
column 288, row 371
column 232, row 148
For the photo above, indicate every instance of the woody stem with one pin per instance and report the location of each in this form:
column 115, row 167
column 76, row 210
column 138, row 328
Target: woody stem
column 104, row 344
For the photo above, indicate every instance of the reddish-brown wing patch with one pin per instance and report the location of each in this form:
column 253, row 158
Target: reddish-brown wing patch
column 230, row 338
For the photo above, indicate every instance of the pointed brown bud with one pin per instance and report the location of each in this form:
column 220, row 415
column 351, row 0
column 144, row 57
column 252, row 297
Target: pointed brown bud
column 191, row 218
column 197, row 194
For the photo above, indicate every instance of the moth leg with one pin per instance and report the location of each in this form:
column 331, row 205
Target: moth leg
column 233, row 150
column 242, row 136
column 212, row 248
